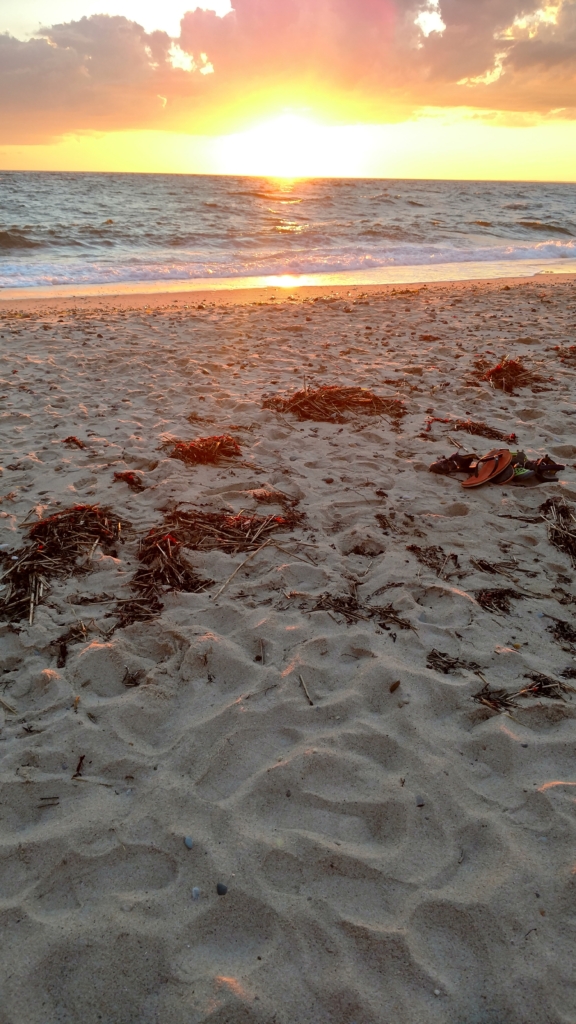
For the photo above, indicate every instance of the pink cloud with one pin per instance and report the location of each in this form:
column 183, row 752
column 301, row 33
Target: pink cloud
column 369, row 58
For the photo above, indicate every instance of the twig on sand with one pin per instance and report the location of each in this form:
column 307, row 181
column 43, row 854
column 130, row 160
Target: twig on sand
column 303, row 684
column 237, row 569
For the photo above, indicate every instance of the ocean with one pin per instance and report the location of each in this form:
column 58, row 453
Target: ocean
column 111, row 232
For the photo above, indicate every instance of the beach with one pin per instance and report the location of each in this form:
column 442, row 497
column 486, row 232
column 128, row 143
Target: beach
column 392, row 849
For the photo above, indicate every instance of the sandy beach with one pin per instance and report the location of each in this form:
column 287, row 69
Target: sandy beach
column 394, row 852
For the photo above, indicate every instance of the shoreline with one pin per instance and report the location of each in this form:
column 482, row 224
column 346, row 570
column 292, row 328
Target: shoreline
column 245, row 296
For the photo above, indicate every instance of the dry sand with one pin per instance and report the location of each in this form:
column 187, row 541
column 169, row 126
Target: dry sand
column 402, row 857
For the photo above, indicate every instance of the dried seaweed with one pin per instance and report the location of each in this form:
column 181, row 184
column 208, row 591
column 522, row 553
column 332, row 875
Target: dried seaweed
column 568, row 673
column 330, row 404
column 163, row 568
column 496, row 700
column 475, row 427
column 544, row 686
column 388, row 523
column 61, row 545
column 74, row 442
column 206, row 531
column 134, row 482
column 442, row 662
column 131, row 679
column 501, row 568
column 346, row 605
column 481, row 429
column 387, row 614
column 497, row 600
column 435, row 558
column 510, row 374
column 562, row 631
column 568, row 355
column 77, row 633
column 204, row 450
column 561, row 521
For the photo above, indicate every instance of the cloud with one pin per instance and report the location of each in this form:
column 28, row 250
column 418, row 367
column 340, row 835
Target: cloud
column 359, row 60
column 99, row 73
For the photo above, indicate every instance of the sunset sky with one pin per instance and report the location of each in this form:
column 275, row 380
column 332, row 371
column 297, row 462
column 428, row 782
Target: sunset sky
column 402, row 88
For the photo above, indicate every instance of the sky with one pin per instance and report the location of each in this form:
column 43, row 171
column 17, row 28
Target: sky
column 481, row 89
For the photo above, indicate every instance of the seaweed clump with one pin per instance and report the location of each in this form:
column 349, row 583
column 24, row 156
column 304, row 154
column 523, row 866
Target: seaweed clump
column 559, row 516
column 510, row 374
column 61, row 545
column 204, row 451
column 163, row 568
column 498, row 599
column 206, row 531
column 330, row 403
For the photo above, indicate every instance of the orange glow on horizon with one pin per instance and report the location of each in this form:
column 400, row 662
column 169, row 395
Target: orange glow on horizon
column 454, row 145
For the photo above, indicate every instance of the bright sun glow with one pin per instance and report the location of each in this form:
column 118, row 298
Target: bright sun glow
column 293, row 146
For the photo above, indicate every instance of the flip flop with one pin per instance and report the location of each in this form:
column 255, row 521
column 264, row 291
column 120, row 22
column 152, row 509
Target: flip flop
column 456, row 463
column 488, row 466
column 505, row 476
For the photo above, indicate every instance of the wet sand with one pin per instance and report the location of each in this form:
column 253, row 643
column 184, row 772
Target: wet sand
column 390, row 853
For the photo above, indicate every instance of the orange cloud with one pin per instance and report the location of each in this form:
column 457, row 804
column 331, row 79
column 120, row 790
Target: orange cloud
column 363, row 60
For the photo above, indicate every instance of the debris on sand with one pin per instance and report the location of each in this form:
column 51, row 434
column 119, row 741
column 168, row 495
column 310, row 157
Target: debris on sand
column 476, row 427
column 387, row 615
column 346, row 605
column 61, row 545
column 74, row 442
column 442, row 662
column 134, row 482
column 497, row 600
column 540, row 686
column 510, row 374
column 480, row 429
column 163, row 568
column 206, row 531
column 544, row 686
column 204, row 451
column 76, row 634
column 561, row 521
column 568, row 354
column 353, row 611
column 329, row 403
column 496, row 700
column 270, row 496
column 435, row 558
column 564, row 632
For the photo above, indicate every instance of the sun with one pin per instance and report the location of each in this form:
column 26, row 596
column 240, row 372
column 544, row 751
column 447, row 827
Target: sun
column 288, row 146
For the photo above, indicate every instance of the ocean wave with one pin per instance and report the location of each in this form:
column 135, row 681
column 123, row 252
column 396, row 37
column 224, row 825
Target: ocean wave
column 104, row 229
column 306, row 261
column 15, row 240
column 536, row 225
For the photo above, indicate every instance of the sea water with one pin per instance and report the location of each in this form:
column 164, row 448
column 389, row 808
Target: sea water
column 113, row 232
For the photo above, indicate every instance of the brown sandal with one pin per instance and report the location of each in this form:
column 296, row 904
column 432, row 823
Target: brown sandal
column 489, row 466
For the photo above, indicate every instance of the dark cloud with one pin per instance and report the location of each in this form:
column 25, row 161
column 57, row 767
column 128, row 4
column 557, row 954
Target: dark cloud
column 371, row 60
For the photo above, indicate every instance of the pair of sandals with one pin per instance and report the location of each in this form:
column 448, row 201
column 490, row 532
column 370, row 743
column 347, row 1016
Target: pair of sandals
column 499, row 466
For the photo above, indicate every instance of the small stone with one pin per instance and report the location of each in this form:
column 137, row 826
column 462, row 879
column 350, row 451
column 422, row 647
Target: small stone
column 195, row 893
column 288, row 793
column 437, row 992
column 523, row 744
column 188, row 842
column 419, row 801
column 221, row 889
